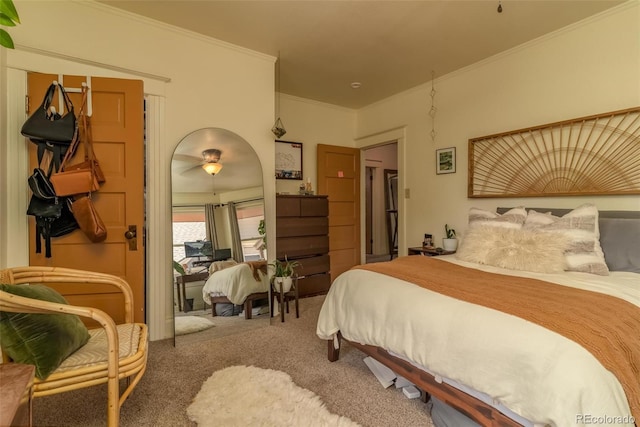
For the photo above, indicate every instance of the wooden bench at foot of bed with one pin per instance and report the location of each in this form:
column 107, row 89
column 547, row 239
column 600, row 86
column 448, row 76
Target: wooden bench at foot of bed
column 248, row 303
column 477, row 410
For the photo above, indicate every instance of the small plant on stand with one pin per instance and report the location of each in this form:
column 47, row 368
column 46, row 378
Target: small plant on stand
column 450, row 242
column 283, row 272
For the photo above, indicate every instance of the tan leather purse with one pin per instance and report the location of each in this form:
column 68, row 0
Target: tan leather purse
column 88, row 219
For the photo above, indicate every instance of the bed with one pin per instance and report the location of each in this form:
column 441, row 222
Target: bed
column 236, row 283
column 462, row 330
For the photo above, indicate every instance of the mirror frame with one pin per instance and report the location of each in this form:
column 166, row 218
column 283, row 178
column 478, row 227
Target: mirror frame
column 231, row 139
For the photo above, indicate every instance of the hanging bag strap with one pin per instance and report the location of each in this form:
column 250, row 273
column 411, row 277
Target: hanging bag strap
column 79, row 135
column 67, row 101
column 88, row 148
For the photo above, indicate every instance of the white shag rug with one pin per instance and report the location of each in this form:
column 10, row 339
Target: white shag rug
column 251, row 396
column 190, row 324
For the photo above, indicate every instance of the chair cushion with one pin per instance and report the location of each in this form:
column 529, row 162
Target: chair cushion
column 42, row 340
column 95, row 351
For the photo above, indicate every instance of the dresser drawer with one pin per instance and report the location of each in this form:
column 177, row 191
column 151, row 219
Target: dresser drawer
column 290, row 205
column 314, row 206
column 313, row 265
column 294, row 247
column 287, row 206
column 302, row 226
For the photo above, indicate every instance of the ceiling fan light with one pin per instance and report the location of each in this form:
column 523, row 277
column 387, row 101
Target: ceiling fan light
column 212, row 168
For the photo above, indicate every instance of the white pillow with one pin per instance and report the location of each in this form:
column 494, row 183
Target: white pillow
column 524, row 250
column 513, row 218
column 581, row 228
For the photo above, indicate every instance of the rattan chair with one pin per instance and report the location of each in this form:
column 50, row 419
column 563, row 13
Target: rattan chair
column 111, row 365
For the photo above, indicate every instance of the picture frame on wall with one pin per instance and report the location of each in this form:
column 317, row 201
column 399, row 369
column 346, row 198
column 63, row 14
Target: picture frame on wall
column 446, row 160
column 288, row 160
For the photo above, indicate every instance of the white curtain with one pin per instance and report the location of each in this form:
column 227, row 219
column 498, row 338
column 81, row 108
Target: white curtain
column 210, row 225
column 236, row 242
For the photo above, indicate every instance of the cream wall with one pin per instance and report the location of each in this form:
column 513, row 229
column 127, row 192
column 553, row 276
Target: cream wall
column 313, row 123
column 212, row 84
column 589, row 68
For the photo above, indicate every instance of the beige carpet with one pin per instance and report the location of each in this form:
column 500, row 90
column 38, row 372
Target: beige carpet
column 175, row 375
column 240, row 396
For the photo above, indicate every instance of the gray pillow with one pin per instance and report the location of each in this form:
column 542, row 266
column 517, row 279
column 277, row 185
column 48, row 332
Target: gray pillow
column 620, row 242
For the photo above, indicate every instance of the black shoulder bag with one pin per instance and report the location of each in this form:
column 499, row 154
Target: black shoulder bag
column 50, row 130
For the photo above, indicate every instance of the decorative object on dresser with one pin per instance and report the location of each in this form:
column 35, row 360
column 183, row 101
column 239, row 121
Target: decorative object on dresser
column 302, row 235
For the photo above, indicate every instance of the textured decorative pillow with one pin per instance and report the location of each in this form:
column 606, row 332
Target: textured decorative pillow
column 525, row 250
column 514, row 218
column 580, row 226
column 43, row 340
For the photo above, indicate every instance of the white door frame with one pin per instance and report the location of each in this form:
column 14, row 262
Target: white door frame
column 391, row 135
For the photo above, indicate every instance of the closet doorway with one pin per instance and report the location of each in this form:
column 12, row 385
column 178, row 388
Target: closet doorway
column 381, row 165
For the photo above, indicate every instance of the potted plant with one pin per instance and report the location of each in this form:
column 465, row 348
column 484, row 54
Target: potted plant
column 262, row 230
column 283, row 272
column 177, row 267
column 450, row 242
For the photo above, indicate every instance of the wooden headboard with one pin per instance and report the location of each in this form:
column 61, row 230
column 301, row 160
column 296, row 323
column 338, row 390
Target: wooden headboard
column 592, row 155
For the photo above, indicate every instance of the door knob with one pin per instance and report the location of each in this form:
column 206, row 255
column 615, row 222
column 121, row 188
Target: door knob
column 131, row 235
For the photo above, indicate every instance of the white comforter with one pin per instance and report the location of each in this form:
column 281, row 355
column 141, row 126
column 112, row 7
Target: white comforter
column 236, row 283
column 536, row 373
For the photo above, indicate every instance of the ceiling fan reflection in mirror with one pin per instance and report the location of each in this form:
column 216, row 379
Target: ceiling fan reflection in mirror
column 210, row 161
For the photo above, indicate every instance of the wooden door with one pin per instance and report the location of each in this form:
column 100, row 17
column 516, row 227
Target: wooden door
column 118, row 137
column 339, row 178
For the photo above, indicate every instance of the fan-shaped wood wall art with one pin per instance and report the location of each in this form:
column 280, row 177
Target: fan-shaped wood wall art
column 593, row 155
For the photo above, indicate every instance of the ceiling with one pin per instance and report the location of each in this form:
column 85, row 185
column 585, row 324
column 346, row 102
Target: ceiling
column 387, row 46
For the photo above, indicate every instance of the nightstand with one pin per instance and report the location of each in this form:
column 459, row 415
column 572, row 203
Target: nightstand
column 419, row 250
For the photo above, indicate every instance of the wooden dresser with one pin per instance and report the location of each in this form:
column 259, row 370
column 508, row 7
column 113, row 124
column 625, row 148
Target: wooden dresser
column 302, row 234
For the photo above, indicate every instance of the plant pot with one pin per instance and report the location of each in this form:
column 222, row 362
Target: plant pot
column 284, row 282
column 450, row 244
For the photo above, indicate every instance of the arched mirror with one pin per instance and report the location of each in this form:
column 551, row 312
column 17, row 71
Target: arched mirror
column 220, row 272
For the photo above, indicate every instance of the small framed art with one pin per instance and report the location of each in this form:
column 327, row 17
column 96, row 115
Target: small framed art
column 288, row 160
column 446, row 160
